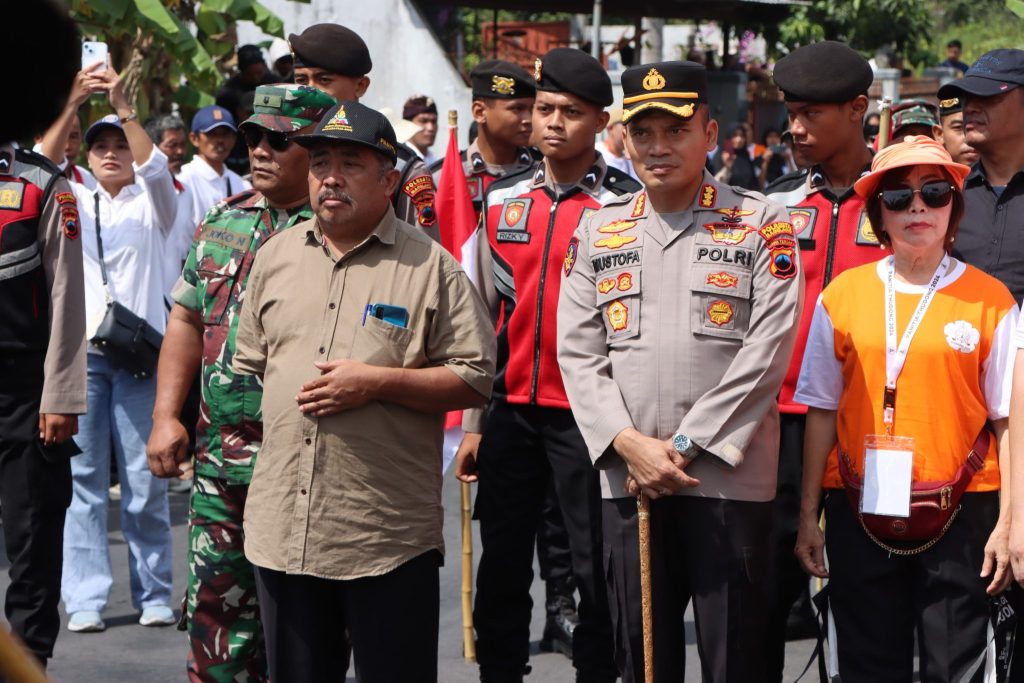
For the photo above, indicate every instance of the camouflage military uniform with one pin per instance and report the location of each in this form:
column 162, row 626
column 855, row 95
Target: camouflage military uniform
column 220, row 608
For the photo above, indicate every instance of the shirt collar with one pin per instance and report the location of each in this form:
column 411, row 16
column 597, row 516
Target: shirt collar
column 590, row 182
column 205, row 171
column 478, row 164
column 6, row 158
column 818, row 181
column 384, row 232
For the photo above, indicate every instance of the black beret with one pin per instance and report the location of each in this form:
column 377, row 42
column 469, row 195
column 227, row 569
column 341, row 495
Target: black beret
column 332, row 47
column 496, row 78
column 950, row 105
column 676, row 87
column 828, row 71
column 568, row 70
column 356, row 123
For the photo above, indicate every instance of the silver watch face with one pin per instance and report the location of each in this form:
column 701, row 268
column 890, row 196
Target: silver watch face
column 681, row 442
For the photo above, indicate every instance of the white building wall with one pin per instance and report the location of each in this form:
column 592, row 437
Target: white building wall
column 407, row 60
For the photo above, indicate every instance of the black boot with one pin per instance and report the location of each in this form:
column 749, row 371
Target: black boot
column 491, row 675
column 562, row 618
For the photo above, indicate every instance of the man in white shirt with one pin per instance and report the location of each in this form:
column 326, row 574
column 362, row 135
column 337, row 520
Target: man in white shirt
column 613, row 148
column 208, row 179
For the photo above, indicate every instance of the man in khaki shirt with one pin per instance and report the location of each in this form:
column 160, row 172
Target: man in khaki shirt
column 676, row 321
column 364, row 332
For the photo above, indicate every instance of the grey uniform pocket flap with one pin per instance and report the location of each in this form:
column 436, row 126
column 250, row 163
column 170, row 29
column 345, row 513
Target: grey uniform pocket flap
column 721, row 280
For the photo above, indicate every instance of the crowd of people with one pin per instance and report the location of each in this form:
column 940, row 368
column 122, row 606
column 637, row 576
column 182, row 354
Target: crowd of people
column 799, row 353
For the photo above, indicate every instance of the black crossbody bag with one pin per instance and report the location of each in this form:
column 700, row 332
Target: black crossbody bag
column 127, row 341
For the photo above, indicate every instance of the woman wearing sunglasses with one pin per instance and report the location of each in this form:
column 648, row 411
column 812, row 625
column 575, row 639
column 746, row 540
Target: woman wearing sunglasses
column 906, row 364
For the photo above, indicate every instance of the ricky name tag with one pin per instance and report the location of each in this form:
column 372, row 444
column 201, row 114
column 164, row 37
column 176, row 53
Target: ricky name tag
column 888, row 475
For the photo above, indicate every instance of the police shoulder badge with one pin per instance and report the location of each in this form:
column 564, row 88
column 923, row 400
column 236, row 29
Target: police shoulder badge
column 783, row 263
column 640, row 207
column 571, row 252
column 708, row 193
column 514, row 212
column 606, row 285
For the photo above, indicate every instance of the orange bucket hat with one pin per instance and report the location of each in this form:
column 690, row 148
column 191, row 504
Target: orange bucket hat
column 915, row 150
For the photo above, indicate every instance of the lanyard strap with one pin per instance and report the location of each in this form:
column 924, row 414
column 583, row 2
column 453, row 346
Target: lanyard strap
column 99, row 252
column 896, row 356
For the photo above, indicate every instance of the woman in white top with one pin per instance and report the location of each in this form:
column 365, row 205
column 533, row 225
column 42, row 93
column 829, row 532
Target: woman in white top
column 132, row 210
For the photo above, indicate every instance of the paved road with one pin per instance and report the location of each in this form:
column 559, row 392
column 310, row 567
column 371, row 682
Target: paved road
column 127, row 652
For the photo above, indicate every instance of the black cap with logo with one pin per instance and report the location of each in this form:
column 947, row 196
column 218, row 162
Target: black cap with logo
column 355, row 123
column 995, row 72
column 498, row 79
column 568, row 70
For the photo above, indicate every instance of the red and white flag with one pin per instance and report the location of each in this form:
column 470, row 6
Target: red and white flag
column 456, row 219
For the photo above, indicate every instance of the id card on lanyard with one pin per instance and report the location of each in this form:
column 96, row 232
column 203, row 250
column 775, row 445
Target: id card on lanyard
column 889, row 459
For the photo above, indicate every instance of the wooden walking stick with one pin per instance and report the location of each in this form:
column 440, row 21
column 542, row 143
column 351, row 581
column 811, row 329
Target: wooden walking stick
column 643, row 505
column 468, row 643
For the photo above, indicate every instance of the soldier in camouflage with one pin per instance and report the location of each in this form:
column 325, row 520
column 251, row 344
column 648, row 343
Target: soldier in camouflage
column 220, row 611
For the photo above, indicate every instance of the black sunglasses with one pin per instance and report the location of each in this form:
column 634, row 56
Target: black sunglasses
column 277, row 140
column 935, row 194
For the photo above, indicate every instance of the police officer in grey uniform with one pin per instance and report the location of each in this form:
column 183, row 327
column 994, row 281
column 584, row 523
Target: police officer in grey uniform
column 676, row 321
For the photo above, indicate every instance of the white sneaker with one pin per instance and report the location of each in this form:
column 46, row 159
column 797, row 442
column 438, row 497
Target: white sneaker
column 86, row 621
column 158, row 615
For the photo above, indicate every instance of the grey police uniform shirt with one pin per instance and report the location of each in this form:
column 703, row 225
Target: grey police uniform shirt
column 683, row 323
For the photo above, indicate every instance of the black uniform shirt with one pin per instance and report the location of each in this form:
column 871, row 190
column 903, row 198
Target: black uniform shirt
column 991, row 233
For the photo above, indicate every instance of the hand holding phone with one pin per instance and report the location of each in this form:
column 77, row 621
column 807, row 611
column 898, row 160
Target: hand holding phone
column 93, row 52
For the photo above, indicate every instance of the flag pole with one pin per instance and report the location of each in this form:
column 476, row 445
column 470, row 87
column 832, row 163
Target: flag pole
column 468, row 641
column 643, row 505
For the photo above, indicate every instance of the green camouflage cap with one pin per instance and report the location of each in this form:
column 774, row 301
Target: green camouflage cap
column 913, row 112
column 287, row 107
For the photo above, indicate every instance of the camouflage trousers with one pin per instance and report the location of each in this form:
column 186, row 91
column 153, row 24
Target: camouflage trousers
column 220, row 611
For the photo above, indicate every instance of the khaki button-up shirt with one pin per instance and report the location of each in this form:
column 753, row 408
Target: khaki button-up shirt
column 356, row 493
column 683, row 324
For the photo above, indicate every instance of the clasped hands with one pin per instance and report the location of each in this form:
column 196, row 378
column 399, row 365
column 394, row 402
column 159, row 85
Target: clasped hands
column 656, row 468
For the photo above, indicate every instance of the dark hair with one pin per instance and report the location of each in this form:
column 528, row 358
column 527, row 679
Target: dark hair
column 767, row 132
column 158, row 125
column 955, row 43
column 873, row 206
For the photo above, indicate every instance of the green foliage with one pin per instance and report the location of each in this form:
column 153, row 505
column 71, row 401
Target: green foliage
column 171, row 50
column 981, row 25
column 865, row 25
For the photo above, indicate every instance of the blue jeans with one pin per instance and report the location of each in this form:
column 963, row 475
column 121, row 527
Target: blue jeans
column 119, row 420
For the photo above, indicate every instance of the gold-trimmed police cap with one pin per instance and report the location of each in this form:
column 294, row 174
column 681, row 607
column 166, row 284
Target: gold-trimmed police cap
column 675, row 87
column 498, row 79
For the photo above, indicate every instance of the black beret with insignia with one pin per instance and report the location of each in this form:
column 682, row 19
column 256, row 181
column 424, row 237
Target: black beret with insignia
column 355, row 123
column 333, row 48
column 676, row 87
column 828, row 71
column 950, row 105
column 568, row 70
column 498, row 79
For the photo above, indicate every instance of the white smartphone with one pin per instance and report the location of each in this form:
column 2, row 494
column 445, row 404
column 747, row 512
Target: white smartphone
column 93, row 52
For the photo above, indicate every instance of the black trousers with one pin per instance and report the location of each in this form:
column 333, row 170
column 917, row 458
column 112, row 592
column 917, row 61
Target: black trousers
column 522, row 448
column 392, row 621
column 710, row 551
column 553, row 552
column 786, row 580
column 878, row 600
column 35, row 491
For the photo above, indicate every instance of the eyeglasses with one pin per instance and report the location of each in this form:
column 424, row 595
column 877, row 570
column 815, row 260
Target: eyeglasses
column 277, row 140
column 934, row 194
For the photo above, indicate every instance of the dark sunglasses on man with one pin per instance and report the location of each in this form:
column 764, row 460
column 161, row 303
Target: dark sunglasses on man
column 935, row 194
column 278, row 140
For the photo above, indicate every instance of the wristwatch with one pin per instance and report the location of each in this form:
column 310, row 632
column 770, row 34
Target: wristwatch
column 131, row 117
column 685, row 446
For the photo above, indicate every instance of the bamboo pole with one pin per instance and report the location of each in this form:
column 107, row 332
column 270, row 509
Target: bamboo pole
column 884, row 122
column 647, row 607
column 468, row 643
